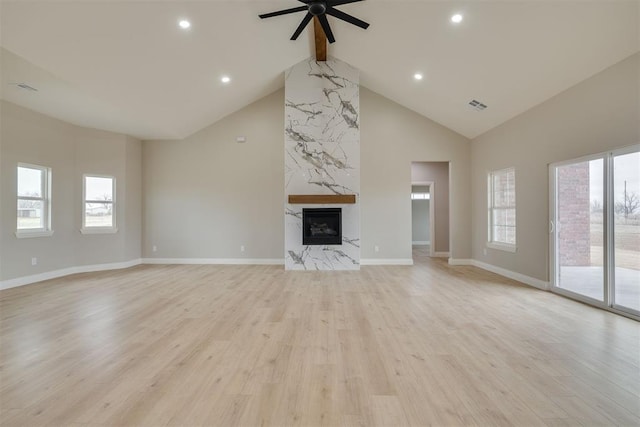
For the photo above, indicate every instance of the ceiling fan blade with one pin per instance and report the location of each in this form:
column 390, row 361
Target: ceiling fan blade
column 346, row 17
column 303, row 24
column 283, row 12
column 305, row 1
column 326, row 27
column 339, row 2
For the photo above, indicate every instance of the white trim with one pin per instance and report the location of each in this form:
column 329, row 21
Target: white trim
column 24, row 233
column 99, row 230
column 421, row 242
column 26, row 280
column 527, row 280
column 454, row 261
column 215, row 261
column 386, row 261
column 502, row 247
column 441, row 254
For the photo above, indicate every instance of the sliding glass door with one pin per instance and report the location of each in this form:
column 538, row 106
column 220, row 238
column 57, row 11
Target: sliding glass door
column 626, row 231
column 595, row 229
column 579, row 228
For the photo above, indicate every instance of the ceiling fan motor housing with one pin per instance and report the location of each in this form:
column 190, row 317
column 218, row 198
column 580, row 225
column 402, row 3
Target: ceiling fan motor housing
column 317, row 8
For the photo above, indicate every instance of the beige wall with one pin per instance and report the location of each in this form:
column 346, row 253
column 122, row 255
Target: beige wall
column 70, row 152
column 438, row 173
column 207, row 195
column 392, row 137
column 599, row 114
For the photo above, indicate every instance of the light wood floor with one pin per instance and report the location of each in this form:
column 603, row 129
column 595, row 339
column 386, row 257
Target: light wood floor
column 255, row 345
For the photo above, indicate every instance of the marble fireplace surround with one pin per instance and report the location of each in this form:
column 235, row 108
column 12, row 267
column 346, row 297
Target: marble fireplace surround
column 322, row 160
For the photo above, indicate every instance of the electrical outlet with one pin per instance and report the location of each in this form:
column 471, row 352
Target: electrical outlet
column 154, row 248
column 242, row 248
column 376, row 248
column 34, row 261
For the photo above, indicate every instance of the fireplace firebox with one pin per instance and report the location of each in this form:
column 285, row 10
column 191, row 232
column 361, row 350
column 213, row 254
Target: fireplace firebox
column 322, row 226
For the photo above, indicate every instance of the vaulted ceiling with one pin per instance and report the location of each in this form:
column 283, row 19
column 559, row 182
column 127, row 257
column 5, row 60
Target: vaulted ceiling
column 126, row 66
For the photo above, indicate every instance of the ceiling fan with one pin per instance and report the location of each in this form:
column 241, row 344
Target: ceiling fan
column 320, row 9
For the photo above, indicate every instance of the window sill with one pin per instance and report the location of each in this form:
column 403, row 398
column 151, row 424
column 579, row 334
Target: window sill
column 99, row 230
column 502, row 247
column 28, row 234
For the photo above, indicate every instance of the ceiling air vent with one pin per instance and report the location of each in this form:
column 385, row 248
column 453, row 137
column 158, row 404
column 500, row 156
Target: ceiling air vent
column 26, row 87
column 475, row 104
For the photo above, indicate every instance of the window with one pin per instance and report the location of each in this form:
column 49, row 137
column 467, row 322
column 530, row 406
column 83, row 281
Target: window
column 420, row 196
column 99, row 207
column 502, row 209
column 34, row 205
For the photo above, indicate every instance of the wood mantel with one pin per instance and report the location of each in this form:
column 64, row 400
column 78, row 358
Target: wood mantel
column 322, row 199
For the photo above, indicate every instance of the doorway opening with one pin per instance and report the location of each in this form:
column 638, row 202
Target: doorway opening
column 422, row 223
column 430, row 209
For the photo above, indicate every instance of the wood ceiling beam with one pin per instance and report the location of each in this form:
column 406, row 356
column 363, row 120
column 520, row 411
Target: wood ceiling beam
column 320, row 40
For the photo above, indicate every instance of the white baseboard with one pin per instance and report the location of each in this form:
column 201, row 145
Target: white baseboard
column 27, row 280
column 388, row 261
column 527, row 280
column 421, row 242
column 441, row 254
column 263, row 261
column 215, row 261
column 453, row 261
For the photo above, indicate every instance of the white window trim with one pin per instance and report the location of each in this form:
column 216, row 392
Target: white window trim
column 46, row 231
column 98, row 230
column 501, row 246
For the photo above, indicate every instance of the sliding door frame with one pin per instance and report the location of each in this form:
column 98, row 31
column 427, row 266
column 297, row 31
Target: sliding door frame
column 611, row 230
column 608, row 219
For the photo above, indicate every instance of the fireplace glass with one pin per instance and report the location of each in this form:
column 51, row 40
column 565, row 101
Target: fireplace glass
column 322, row 226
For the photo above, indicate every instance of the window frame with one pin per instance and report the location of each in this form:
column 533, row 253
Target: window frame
column 92, row 229
column 45, row 191
column 491, row 207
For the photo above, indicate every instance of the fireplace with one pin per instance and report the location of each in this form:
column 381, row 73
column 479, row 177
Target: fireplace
column 322, row 226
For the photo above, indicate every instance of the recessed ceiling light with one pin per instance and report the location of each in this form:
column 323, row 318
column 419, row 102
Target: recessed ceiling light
column 184, row 24
column 418, row 76
column 457, row 18
column 225, row 79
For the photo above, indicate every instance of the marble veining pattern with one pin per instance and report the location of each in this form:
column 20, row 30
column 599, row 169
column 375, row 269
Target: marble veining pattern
column 322, row 156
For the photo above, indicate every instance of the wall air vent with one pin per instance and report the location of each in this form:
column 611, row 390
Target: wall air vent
column 26, row 87
column 477, row 105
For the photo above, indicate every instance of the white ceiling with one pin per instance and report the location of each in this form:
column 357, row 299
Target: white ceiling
column 125, row 66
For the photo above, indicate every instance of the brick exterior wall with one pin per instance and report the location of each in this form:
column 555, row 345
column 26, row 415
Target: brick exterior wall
column 574, row 215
